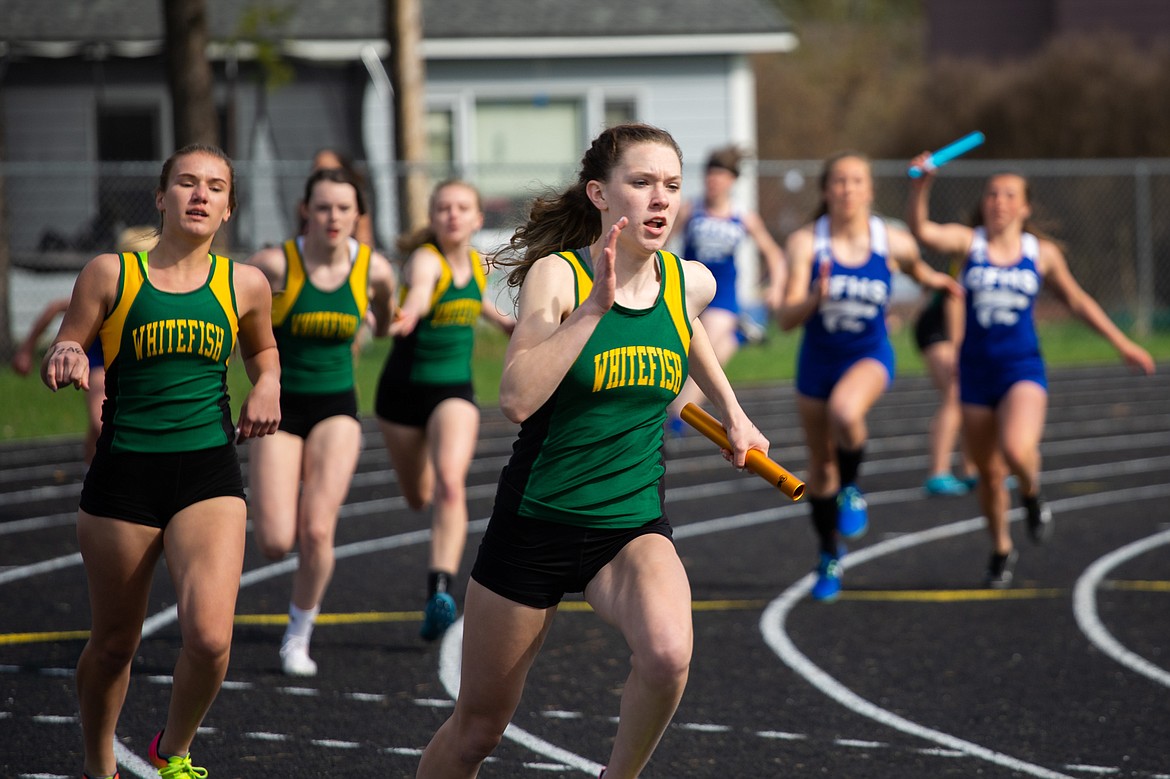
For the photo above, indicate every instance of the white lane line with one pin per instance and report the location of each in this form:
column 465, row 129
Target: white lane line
column 37, row 523
column 1100, row 770
column 703, row 727
column 856, row 743
column 167, row 616
column 772, row 624
column 699, row 462
column 780, row 735
column 366, row 697
column 131, row 764
column 19, row 572
column 1085, row 607
column 334, row 744
column 938, row 752
column 55, row 719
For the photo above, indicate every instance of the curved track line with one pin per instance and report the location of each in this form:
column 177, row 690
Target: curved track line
column 450, row 663
column 774, row 616
column 1085, row 607
column 451, row 650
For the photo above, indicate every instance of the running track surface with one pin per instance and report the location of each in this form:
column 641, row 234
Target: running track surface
column 915, row 672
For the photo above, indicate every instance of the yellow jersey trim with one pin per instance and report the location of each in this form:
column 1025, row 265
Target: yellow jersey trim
column 294, row 282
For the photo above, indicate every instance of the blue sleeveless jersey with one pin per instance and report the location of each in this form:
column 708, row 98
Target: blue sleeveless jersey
column 712, row 240
column 853, row 318
column 1000, row 303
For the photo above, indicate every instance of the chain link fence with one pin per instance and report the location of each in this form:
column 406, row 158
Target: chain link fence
column 1113, row 216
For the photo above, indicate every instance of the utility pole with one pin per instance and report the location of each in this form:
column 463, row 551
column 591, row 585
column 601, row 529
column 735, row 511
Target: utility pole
column 189, row 72
column 408, row 77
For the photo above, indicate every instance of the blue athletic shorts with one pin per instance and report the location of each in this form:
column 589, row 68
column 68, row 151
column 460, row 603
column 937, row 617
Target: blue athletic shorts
column 94, row 353
column 535, row 562
column 817, row 372
column 725, row 299
column 985, row 382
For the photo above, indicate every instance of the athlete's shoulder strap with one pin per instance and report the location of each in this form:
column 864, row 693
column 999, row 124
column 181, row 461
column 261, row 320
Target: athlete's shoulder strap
column 444, row 282
column 674, row 292
column 294, row 282
column 879, row 236
column 131, row 277
column 822, row 251
column 359, row 278
column 1030, row 246
column 477, row 271
column 978, row 252
column 224, row 288
column 582, row 275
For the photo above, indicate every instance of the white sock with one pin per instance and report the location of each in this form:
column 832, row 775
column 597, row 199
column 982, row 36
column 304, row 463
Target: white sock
column 300, row 622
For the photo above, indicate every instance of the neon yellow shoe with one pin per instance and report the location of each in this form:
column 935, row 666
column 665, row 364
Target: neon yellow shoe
column 173, row 766
column 181, row 768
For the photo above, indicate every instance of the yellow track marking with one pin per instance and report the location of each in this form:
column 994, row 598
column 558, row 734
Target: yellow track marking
column 889, row 596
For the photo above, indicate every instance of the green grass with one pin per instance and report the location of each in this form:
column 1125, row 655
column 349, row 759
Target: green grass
column 31, row 411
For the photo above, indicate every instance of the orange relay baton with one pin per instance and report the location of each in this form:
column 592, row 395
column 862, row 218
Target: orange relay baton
column 757, row 462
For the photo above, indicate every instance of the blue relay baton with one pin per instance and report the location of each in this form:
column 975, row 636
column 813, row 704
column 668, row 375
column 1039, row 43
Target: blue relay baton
column 947, row 153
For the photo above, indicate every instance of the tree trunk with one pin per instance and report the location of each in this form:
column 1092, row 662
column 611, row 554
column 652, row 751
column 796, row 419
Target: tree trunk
column 408, row 78
column 189, row 73
column 6, row 342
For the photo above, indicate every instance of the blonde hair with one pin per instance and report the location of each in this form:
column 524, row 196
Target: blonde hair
column 139, row 238
column 406, row 244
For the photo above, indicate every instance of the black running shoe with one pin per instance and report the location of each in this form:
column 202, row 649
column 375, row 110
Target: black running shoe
column 1001, row 570
column 1039, row 518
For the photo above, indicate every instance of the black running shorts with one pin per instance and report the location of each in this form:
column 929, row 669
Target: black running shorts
column 405, row 403
column 535, row 562
column 149, row 488
column 300, row 413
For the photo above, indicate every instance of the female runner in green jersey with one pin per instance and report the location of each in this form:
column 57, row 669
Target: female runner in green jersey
column 426, row 403
column 324, row 284
column 607, row 329
column 165, row 478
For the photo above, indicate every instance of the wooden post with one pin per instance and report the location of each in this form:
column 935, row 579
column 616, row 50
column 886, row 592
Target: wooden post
column 408, row 77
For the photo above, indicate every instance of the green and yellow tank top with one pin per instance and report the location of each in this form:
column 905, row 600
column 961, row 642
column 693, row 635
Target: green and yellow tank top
column 166, row 356
column 315, row 329
column 592, row 455
column 439, row 349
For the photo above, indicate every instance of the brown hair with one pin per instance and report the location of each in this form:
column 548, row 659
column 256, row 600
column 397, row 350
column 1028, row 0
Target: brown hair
column 830, row 163
column 1030, row 224
column 337, row 176
column 200, row 148
column 426, row 234
column 728, row 158
column 569, row 219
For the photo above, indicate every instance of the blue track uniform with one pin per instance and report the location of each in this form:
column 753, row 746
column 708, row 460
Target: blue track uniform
column 850, row 325
column 712, row 240
column 1000, row 346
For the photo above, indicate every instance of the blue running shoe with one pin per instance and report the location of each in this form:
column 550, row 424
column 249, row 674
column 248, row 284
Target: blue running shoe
column 944, row 484
column 1010, row 481
column 438, row 616
column 828, row 585
column 852, row 512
